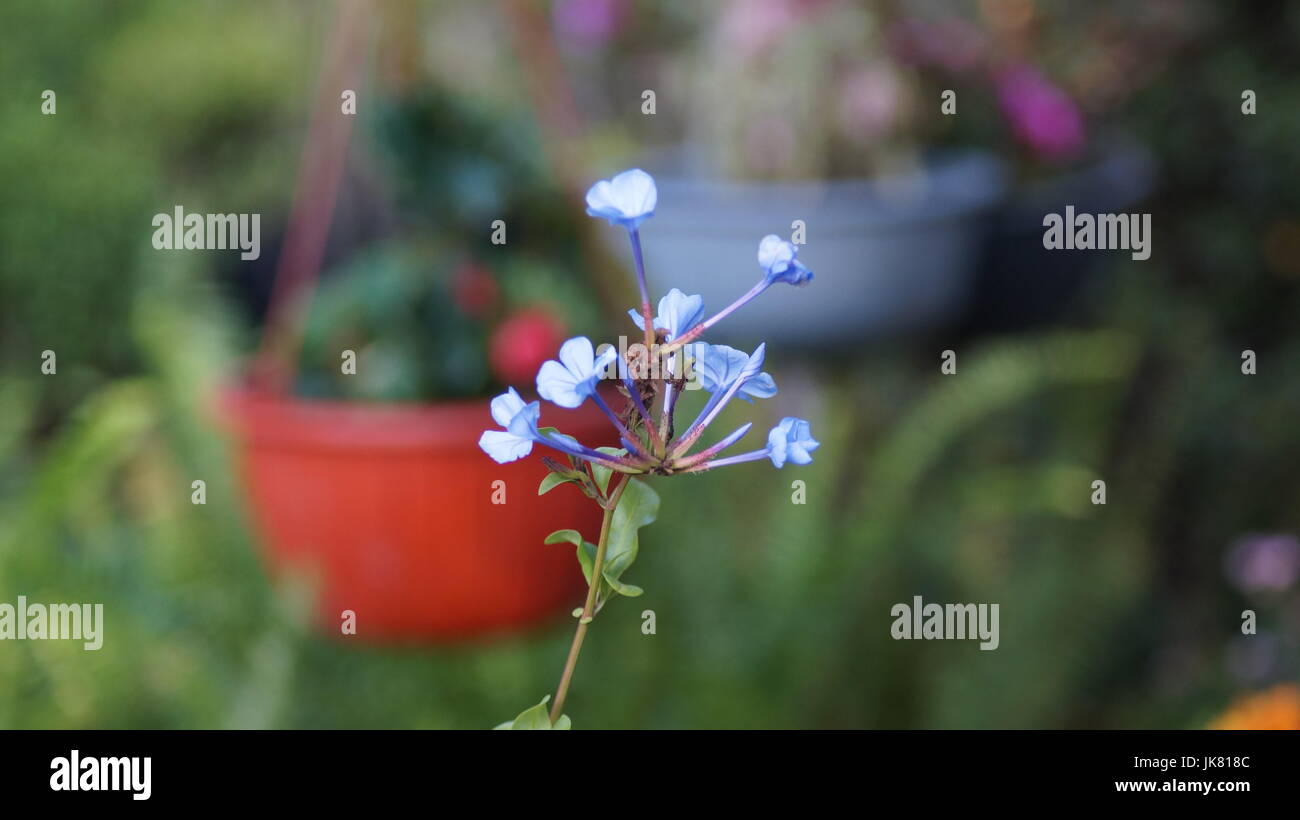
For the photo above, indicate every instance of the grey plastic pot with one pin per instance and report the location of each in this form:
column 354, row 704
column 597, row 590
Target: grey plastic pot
column 892, row 255
column 1022, row 284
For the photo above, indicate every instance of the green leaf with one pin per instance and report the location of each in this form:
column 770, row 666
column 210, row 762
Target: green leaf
column 559, row 474
column 638, row 507
column 536, row 717
column 602, row 474
column 629, row 590
column 552, row 481
column 587, row 559
column 564, row 536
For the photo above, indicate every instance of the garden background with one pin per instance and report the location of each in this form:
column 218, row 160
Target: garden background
column 971, row 487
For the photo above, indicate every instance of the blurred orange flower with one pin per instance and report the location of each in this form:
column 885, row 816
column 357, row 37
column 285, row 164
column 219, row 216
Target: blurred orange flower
column 1276, row 708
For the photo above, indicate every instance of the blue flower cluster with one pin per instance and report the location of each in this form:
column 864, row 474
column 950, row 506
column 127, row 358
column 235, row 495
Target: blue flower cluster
column 654, row 373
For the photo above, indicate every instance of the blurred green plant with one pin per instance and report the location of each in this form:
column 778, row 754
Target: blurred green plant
column 481, row 277
column 426, row 323
column 971, row 487
column 130, row 136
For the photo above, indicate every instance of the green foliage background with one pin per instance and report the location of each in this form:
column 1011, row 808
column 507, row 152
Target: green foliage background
column 769, row 614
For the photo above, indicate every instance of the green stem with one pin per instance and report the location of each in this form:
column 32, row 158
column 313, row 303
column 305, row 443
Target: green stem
column 589, row 609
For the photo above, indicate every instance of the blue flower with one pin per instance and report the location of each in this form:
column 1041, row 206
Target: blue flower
column 718, row 400
column 777, row 258
column 678, row 313
column 516, row 441
column 792, row 441
column 628, row 199
column 720, row 365
column 520, row 421
column 573, row 378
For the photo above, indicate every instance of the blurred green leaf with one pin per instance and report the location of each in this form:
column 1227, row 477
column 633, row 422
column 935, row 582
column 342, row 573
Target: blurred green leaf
column 535, row 718
column 629, row 590
column 550, row 482
column 564, row 536
column 602, row 473
column 586, row 559
column 637, row 508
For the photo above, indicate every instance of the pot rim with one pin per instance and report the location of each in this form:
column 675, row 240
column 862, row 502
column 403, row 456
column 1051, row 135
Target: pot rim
column 955, row 184
column 292, row 422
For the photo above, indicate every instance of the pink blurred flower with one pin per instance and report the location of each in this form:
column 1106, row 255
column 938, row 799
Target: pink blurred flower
column 869, row 101
column 1041, row 115
column 952, row 44
column 1264, row 563
column 590, row 23
column 749, row 27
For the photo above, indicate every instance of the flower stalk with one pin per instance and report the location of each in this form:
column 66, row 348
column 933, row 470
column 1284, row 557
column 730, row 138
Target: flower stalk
column 589, row 608
column 635, row 236
column 651, row 446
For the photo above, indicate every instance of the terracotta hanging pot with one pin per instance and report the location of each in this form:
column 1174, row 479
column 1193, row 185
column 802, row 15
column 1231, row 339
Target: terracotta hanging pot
column 391, row 508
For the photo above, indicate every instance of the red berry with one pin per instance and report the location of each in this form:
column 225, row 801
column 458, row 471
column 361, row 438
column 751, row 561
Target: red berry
column 473, row 289
column 522, row 342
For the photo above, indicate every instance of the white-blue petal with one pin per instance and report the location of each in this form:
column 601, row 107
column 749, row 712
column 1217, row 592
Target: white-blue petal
column 506, row 406
column 679, row 313
column 762, row 386
column 775, row 254
column 556, row 384
column 777, row 258
column 627, row 199
column 721, row 365
column 602, row 362
column 569, row 381
column 503, row 446
column 577, row 355
column 791, row 440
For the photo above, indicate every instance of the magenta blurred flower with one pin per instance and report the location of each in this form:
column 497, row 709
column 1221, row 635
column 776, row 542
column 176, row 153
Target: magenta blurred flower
column 590, row 23
column 1264, row 563
column 952, row 44
column 1041, row 115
